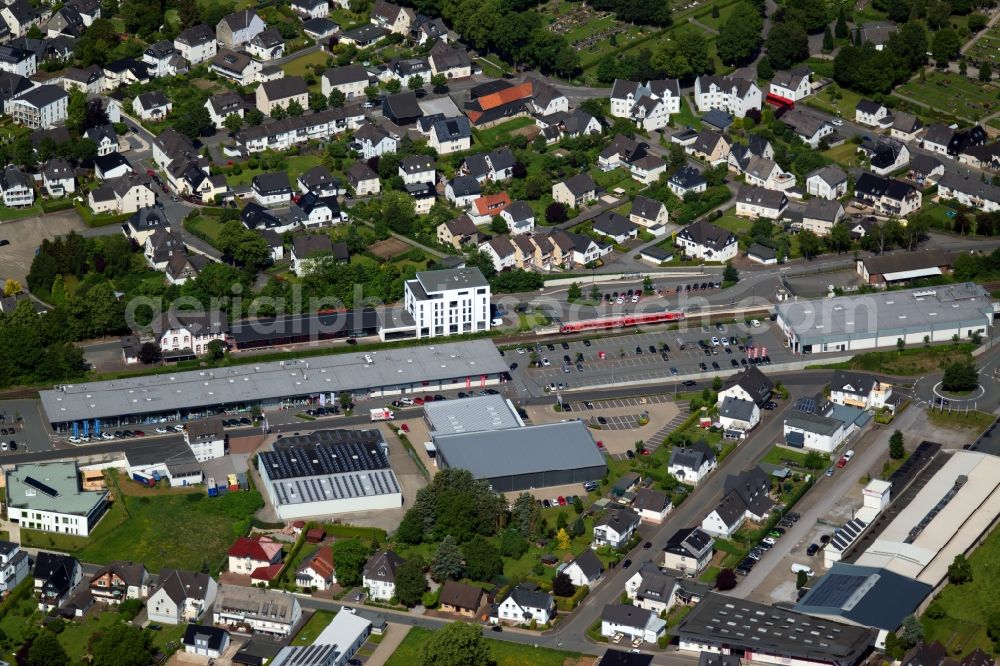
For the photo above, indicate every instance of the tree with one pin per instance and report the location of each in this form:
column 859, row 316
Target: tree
column 129, row 608
column 439, row 83
column 985, row 72
column 827, row 39
column 149, row 353
column 76, row 112
column 216, row 350
column 726, row 580
column 457, row 644
column 577, row 505
column 729, row 273
column 913, row 631
column 337, row 99
column 809, row 244
column 512, row 544
column 946, row 45
column 279, row 112
column 392, row 86
column 562, row 586
column 896, row 451
column 253, row 117
column 499, row 226
column 764, row 69
column 11, row 287
column 415, row 82
column 447, row 563
column 960, row 376
column 716, row 383
column 349, row 557
column 193, row 120
column 801, row 578
column 787, row 44
column 525, row 516
column 246, row 247
column 960, row 570
column 189, row 13
column 563, row 538
column 574, row 292
column 900, row 344
column 739, row 37
column 46, row 650
column 482, row 559
column 295, row 108
column 840, row 29
column 233, row 123
column 814, row 460
column 317, row 101
column 839, row 238
column 123, row 645
column 410, row 582
column 555, row 213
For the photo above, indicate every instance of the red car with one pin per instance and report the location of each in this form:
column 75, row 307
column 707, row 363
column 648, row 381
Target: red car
column 138, row 433
column 600, row 444
column 842, row 462
column 150, row 172
column 418, row 401
column 404, row 428
column 644, row 452
column 562, row 501
column 428, row 398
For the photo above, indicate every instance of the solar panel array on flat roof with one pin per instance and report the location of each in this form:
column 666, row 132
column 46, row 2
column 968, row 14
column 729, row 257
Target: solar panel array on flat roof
column 805, row 405
column 932, row 514
column 325, row 452
column 43, row 488
column 842, row 590
column 848, row 534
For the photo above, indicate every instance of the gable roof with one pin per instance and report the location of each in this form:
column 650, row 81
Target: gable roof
column 687, row 177
column 707, row 235
column 321, row 562
column 461, row 595
column 826, row 210
column 214, row 637
column 758, row 196
column 688, row 541
column 648, row 499
column 580, row 184
column 626, row 615
column 754, row 382
column 613, row 224
column 618, row 519
column 526, row 597
column 382, row 566
column 290, row 86
column 259, row 549
column 830, row 174
column 853, row 382
column 589, row 564
column 646, row 208
column 691, row 457
column 869, row 107
column 735, row 408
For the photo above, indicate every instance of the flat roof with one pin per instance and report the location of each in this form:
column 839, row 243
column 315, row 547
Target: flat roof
column 949, row 514
column 723, row 620
column 307, row 490
column 849, row 317
column 475, row 414
column 272, row 380
column 50, row 487
column 865, row 596
column 537, row 448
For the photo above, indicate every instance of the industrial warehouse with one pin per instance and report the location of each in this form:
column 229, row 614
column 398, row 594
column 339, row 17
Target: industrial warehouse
column 849, row 323
column 328, row 472
column 273, row 385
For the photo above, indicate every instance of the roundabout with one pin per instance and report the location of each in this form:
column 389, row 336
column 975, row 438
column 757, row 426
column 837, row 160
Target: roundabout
column 974, row 394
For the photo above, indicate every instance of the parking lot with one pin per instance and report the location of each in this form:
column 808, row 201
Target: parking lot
column 25, row 235
column 650, row 355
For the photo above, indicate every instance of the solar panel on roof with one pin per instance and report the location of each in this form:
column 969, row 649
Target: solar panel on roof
column 43, row 488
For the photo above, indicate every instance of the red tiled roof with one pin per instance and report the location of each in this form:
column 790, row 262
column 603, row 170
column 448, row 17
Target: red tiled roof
column 315, row 535
column 267, row 573
column 259, row 550
column 321, row 562
column 499, row 98
column 494, row 203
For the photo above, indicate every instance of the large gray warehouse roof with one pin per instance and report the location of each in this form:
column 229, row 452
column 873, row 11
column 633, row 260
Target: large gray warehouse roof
column 851, row 317
column 538, row 448
column 484, row 412
column 274, row 380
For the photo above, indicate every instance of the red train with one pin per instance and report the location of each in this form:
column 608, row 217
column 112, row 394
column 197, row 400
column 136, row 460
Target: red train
column 621, row 321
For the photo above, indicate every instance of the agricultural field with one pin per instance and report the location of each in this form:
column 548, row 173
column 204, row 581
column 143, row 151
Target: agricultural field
column 953, row 94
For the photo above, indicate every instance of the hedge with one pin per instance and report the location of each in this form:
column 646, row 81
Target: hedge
column 570, row 603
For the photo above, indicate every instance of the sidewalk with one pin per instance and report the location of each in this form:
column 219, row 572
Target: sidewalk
column 394, row 635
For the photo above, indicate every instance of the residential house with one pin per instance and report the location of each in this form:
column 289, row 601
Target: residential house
column 311, row 251
column 809, row 126
column 638, row 625
column 926, row 654
column 872, row 114
column 861, row 390
column 582, row 250
column 56, row 576
column 937, row 138
column 497, row 165
column 119, row 581
column 905, row 126
column 704, row 240
column 651, row 589
column 887, row 196
column 687, row 180
column 239, row 28
column 969, row 190
column 458, row 233
column 311, row 9
column 648, row 169
column 125, row 72
column 501, row 251
column 312, row 210
column 740, row 154
column 576, row 191
column 745, row 498
column 14, row 565
column 738, row 416
column 757, row 202
column 688, row 550
column 88, row 10
column 652, row 505
column 614, row 528
column 403, row 69
column 615, row 227
column 162, row 59
column 546, row 98
column 206, row 439
column 792, row 85
column 105, row 137
column 58, row 178
column 750, row 384
column 124, row 194
column 17, row 61
column 182, row 267
column 152, row 105
column 525, row 605
column 11, row 86
column 762, row 254
column 41, row 107
column 90, row 80
column 587, row 569
column 294, row 130
column 733, row 95
column 520, row 218
column 462, row 191
column 423, row 195
column 16, row 188
column 461, row 599
column 110, row 166
column 269, row 612
column 196, row 44
column 876, row 33
column 424, row 29
column 648, row 213
column 193, row 331
column 64, row 22
column 885, row 155
column 622, row 151
column 267, row 45
column 351, row 80
column 981, row 156
column 237, row 66
column 379, row 575
column 373, row 141
column 828, row 182
column 364, row 36
column 814, row 431
column 205, row 641
column 271, row 189
column 821, row 215
column 649, row 105
column 319, row 181
column 691, row 464
column 251, row 553
column 392, row 17
column 19, row 16
column 765, row 173
column 417, row 169
column 223, row 105
column 710, row 146
column 317, row 571
column 488, row 206
column 402, row 108
column 452, row 61
column 450, row 135
column 362, row 180
column 281, row 93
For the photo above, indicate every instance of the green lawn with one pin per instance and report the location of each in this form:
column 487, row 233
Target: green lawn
column 206, row 226
column 499, row 135
column 686, row 117
column 185, row 530
column 967, row 606
column 505, row 652
column 844, row 105
column 316, row 624
column 730, row 222
column 953, row 94
column 18, row 213
column 295, row 166
column 846, row 154
column 910, row 362
column 298, row 66
column 975, row 421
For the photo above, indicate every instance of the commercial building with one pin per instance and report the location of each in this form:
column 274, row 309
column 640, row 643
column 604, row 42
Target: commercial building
column 475, row 414
column 447, row 302
column 329, row 471
column 294, row 329
column 271, row 385
column 48, row 497
column 551, row 454
column 949, row 515
column 771, row 635
column 173, row 461
column 850, row 323
column 896, row 269
column 206, row 438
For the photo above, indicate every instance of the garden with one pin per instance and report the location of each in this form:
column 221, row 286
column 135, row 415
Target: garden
column 505, row 653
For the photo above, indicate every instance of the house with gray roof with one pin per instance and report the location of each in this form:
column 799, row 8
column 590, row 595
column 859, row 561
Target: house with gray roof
column 652, row 505
column 648, row 212
column 828, row 182
column 706, row 241
column 614, row 527
column 524, row 605
column 651, row 589
column 738, row 417
column 762, row 254
column 688, row 550
column 691, row 464
column 575, row 191
column 636, row 624
column 807, row 125
column 859, row 389
column 586, row 569
column 821, row 215
column 615, row 227
column 814, row 431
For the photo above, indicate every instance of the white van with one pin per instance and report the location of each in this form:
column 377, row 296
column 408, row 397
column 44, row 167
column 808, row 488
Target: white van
column 796, row 568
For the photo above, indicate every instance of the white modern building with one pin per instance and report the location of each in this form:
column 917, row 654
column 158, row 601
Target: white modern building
column 857, row 389
column 448, row 302
column 41, row 108
column 48, row 497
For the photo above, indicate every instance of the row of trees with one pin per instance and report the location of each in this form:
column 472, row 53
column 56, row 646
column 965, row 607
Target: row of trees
column 683, row 57
column 862, row 68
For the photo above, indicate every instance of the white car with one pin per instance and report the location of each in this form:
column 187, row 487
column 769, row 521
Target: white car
column 849, row 455
column 520, row 350
column 635, row 299
column 545, row 361
column 107, row 436
column 770, row 541
column 161, row 431
column 619, row 300
column 725, row 342
column 837, row 122
column 178, row 428
column 755, row 323
column 715, row 341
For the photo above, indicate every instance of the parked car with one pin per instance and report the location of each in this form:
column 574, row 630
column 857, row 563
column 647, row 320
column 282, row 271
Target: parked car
column 812, row 549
